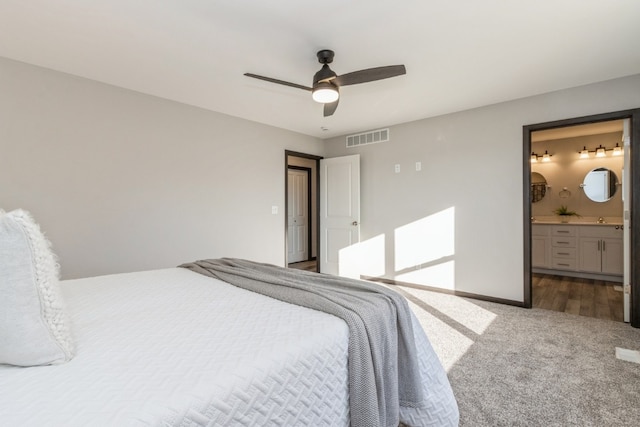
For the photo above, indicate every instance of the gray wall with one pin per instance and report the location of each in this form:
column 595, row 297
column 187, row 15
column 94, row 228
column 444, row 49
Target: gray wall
column 458, row 222
column 122, row 181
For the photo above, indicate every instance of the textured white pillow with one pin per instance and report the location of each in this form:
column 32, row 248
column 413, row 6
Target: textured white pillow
column 33, row 325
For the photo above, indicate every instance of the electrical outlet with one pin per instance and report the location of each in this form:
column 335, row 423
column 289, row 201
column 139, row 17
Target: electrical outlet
column 397, row 168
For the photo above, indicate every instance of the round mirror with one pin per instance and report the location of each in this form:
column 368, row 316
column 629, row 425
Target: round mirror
column 600, row 184
column 538, row 187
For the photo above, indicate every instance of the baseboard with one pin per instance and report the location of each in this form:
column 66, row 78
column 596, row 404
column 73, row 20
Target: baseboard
column 445, row 291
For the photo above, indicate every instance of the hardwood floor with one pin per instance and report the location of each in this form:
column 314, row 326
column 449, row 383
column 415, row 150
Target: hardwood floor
column 584, row 297
column 305, row 265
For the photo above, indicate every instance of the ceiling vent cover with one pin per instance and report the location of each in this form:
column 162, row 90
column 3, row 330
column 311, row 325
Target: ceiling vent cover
column 373, row 137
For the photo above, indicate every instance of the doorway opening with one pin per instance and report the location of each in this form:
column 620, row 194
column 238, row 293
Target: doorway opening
column 302, row 207
column 575, row 263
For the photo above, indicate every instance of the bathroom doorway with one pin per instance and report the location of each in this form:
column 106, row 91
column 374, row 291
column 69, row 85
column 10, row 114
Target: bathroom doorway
column 576, row 262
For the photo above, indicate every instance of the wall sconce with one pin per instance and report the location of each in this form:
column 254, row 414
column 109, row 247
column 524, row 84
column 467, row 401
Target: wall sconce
column 600, row 151
column 546, row 157
column 617, row 150
column 584, row 154
column 534, row 157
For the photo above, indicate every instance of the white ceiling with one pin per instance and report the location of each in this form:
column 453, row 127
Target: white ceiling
column 459, row 54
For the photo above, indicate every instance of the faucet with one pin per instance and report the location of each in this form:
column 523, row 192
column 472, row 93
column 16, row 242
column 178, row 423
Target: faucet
column 600, row 220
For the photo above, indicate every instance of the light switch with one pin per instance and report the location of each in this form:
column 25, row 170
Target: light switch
column 274, row 210
column 418, row 166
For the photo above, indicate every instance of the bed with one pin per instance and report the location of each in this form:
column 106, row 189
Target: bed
column 172, row 347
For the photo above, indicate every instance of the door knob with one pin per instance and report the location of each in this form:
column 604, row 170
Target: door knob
column 354, row 223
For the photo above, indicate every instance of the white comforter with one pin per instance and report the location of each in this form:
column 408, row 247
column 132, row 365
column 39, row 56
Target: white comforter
column 175, row 348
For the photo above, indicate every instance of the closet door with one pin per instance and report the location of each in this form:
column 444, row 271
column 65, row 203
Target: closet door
column 298, row 215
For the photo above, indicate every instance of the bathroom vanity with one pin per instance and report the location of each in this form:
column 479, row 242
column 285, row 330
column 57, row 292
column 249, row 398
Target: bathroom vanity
column 588, row 250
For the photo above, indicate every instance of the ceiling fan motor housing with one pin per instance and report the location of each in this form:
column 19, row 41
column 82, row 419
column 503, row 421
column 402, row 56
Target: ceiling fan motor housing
column 325, row 74
column 325, row 56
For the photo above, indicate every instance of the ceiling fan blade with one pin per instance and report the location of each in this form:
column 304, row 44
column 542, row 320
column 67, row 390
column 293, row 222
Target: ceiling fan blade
column 330, row 108
column 280, row 82
column 370, row 75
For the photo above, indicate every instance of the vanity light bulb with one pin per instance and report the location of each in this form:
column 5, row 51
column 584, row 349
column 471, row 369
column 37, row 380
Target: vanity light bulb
column 534, row 158
column 546, row 157
column 600, row 151
column 584, row 154
column 617, row 150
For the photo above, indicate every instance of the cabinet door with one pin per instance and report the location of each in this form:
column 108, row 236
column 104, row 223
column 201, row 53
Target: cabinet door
column 540, row 252
column 590, row 258
column 612, row 256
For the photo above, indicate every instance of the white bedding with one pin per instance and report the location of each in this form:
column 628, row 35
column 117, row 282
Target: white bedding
column 175, row 348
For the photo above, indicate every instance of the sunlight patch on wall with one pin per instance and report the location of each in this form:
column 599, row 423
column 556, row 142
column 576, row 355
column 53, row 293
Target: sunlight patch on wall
column 426, row 240
column 440, row 276
column 365, row 258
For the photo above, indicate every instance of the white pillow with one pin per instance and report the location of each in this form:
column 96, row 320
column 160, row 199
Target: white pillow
column 33, row 325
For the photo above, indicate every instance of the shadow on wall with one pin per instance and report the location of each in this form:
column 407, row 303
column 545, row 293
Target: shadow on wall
column 423, row 253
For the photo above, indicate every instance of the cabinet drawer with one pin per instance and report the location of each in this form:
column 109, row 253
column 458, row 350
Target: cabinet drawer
column 563, row 230
column 564, row 253
column 563, row 264
column 563, row 242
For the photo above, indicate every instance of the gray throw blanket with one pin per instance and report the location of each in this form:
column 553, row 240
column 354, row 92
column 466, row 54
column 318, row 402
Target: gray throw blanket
column 383, row 363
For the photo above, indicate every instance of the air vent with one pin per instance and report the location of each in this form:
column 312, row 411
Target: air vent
column 373, row 137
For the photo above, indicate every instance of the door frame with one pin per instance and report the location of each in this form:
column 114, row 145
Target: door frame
column 634, row 166
column 309, row 216
column 316, row 243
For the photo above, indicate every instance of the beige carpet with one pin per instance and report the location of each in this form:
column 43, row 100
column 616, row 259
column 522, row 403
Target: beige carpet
column 510, row 366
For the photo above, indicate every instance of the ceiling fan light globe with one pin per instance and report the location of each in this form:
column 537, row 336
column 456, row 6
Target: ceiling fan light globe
column 325, row 93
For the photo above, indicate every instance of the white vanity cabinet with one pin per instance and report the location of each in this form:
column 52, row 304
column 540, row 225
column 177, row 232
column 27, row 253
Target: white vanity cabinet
column 601, row 249
column 541, row 246
column 563, row 247
column 590, row 251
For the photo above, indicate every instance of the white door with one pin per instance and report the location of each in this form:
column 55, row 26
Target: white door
column 626, row 216
column 298, row 216
column 339, row 209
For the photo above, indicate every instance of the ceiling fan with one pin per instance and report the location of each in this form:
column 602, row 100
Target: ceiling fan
column 326, row 83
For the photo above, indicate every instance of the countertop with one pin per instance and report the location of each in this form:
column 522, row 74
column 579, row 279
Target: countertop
column 551, row 222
